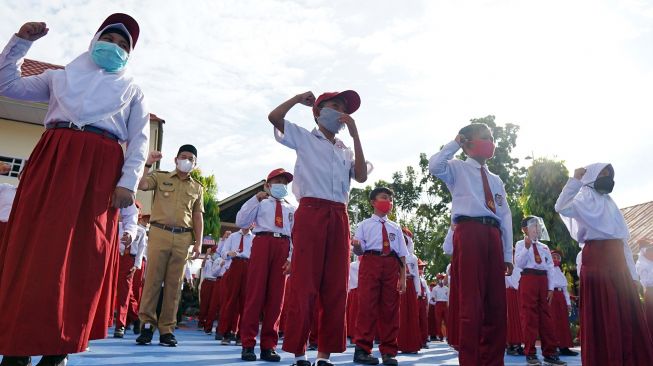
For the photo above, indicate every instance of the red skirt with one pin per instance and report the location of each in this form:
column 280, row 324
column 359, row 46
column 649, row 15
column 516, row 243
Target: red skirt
column 560, row 317
column 409, row 330
column 3, row 228
column 57, row 258
column 614, row 329
column 453, row 337
column 514, row 322
column 352, row 310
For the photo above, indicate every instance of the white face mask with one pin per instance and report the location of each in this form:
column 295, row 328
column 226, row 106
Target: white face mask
column 184, row 165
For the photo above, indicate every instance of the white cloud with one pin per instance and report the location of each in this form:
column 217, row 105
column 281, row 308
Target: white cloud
column 575, row 75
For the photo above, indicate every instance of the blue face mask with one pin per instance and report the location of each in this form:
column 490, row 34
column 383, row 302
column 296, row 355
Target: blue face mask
column 109, row 56
column 278, row 190
column 329, row 119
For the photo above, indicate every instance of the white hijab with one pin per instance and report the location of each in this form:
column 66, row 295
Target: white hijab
column 595, row 210
column 88, row 94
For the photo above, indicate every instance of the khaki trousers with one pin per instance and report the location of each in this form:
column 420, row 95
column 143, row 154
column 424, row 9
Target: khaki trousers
column 166, row 257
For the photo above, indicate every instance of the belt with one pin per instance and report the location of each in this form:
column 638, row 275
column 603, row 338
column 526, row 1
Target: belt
column 87, row 128
column 172, row 229
column 380, row 254
column 485, row 220
column 535, row 272
column 270, row 233
column 240, row 259
column 209, row 279
column 558, row 289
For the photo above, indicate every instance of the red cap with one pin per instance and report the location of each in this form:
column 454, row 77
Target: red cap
column 407, row 232
column 278, row 172
column 351, row 98
column 420, row 263
column 440, row 276
column 126, row 20
column 556, row 252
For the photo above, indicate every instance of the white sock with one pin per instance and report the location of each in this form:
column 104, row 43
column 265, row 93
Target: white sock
column 301, row 358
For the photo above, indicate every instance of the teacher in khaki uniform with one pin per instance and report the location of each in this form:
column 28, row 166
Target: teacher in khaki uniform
column 176, row 222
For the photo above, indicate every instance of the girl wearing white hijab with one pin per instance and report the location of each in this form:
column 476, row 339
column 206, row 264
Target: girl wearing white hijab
column 614, row 329
column 57, row 260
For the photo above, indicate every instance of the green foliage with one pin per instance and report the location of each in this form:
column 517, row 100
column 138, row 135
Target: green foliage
column 544, row 182
column 211, row 209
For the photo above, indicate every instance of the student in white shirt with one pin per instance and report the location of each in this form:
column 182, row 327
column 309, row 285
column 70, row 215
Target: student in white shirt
column 219, row 267
column 237, row 248
column 423, row 304
column 94, row 105
column 514, row 337
column 483, row 232
column 561, row 307
column 536, row 292
column 352, row 299
column 644, row 268
column 381, row 279
column 272, row 217
column 323, row 171
column 127, row 232
column 409, row 331
column 610, row 303
column 206, row 287
column 440, row 300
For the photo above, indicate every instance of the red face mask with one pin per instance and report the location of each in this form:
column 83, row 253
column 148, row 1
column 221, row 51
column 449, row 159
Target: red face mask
column 383, row 206
column 481, row 149
column 556, row 262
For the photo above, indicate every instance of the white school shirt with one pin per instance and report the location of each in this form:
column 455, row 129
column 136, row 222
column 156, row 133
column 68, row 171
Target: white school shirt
column 220, row 265
column 512, row 281
column 370, row 234
column 525, row 258
column 440, row 293
column 353, row 275
column 560, row 281
column 463, row 178
column 645, row 270
column 413, row 270
column 447, row 246
column 137, row 247
column 424, row 291
column 579, row 262
column 7, row 195
column 262, row 214
column 232, row 244
column 322, row 169
column 206, row 268
column 131, row 125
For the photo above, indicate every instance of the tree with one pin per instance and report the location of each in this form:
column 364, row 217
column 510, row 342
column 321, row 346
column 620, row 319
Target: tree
column 543, row 184
column 211, row 209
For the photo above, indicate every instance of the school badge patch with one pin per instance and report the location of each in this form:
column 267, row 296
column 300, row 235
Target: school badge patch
column 291, row 216
column 392, row 236
column 499, row 199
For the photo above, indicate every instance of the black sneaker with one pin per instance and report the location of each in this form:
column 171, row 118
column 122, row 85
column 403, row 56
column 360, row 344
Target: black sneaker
column 248, row 354
column 218, row 336
column 512, row 351
column 238, row 341
column 137, row 326
column 533, row 360
column 226, row 339
column 553, row 361
column 53, row 360
column 270, row 355
column 389, row 360
column 567, row 352
column 16, row 361
column 301, row 363
column 323, row 363
column 168, row 340
column 147, row 332
column 119, row 332
column 364, row 358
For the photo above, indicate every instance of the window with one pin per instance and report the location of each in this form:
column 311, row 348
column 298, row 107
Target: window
column 16, row 165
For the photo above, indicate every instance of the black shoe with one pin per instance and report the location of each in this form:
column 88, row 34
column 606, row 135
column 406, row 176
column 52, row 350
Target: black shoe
column 147, row 332
column 16, row 361
column 533, row 360
column 301, row 363
column 323, row 363
column 312, row 347
column 512, row 351
column 553, row 361
column 567, row 352
column 364, row 358
column 218, row 336
column 425, row 346
column 168, row 340
column 54, row 360
column 226, row 339
column 238, row 341
column 248, row 354
column 119, row 332
column 270, row 355
column 137, row 326
column 389, row 360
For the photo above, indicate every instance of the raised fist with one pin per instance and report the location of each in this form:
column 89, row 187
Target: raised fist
column 32, row 31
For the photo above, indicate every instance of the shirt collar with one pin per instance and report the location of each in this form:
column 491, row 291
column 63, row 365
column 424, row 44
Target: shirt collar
column 317, row 133
column 380, row 218
column 176, row 172
column 473, row 163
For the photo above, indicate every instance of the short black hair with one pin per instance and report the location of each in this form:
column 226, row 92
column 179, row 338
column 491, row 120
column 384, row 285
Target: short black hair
column 472, row 129
column 525, row 220
column 378, row 190
column 118, row 31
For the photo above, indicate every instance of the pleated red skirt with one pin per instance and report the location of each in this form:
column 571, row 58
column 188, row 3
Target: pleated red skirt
column 514, row 322
column 614, row 327
column 352, row 310
column 409, row 330
column 560, row 317
column 57, row 257
column 422, row 304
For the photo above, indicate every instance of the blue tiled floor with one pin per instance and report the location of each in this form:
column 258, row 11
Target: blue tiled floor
column 197, row 349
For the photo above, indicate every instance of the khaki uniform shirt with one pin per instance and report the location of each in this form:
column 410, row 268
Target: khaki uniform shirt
column 175, row 200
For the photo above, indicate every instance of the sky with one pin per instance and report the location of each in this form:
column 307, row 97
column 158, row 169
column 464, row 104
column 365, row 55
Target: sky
column 575, row 75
